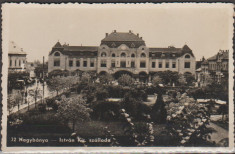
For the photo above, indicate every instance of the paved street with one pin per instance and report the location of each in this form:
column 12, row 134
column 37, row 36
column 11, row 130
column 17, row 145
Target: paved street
column 24, row 107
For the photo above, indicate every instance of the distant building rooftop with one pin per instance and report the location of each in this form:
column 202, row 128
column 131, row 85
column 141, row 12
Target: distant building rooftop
column 15, row 49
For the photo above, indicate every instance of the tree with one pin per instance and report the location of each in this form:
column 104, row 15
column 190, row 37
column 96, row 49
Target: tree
column 35, row 93
column 214, row 90
column 187, row 122
column 182, row 80
column 159, row 113
column 85, row 78
column 168, row 77
column 106, row 79
column 13, row 77
column 73, row 109
column 12, row 101
column 131, row 101
column 69, row 81
column 39, row 70
column 223, row 109
column 56, row 84
column 157, row 80
column 189, row 78
column 126, row 80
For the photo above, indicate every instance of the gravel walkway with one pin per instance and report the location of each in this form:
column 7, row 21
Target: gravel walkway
column 220, row 135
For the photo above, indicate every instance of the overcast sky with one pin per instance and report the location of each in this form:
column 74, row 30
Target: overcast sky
column 36, row 29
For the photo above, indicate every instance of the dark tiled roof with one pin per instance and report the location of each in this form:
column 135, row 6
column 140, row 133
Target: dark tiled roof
column 170, row 52
column 129, row 44
column 81, row 51
column 213, row 57
column 80, row 48
column 57, row 45
column 120, row 36
column 205, row 62
column 224, row 55
column 130, row 39
column 186, row 48
column 170, row 49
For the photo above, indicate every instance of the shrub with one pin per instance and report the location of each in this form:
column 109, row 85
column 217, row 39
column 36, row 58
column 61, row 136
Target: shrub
column 52, row 103
column 157, row 80
column 144, row 95
column 187, row 122
column 73, row 109
column 101, row 94
column 126, row 80
column 42, row 107
column 107, row 111
column 159, row 113
column 131, row 102
column 33, row 121
column 115, row 91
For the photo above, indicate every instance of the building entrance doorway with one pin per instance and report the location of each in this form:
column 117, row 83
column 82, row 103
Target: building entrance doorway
column 118, row 74
column 143, row 77
column 123, row 64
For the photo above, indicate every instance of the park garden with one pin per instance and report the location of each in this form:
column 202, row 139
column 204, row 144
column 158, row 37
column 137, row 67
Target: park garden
column 99, row 110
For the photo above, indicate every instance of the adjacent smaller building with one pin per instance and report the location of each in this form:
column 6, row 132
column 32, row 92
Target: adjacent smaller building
column 214, row 68
column 16, row 57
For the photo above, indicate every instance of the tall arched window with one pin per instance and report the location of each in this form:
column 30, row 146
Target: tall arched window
column 143, row 55
column 113, row 55
column 187, row 56
column 123, row 54
column 57, row 54
column 103, row 54
column 133, row 55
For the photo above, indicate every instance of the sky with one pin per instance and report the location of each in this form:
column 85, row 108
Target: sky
column 36, row 28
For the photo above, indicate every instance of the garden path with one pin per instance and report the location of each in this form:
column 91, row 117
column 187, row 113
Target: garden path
column 24, row 107
column 219, row 133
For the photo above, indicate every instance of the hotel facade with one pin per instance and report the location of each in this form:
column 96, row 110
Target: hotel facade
column 122, row 53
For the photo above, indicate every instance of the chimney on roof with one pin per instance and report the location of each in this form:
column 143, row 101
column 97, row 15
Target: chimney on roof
column 140, row 37
column 138, row 34
column 115, row 31
column 106, row 34
column 130, row 31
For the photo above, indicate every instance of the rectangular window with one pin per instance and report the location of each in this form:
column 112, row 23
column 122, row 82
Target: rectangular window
column 10, row 62
column 103, row 63
column 56, row 62
column 84, row 63
column 173, row 65
column 142, row 64
column 160, row 65
column 92, row 64
column 187, row 65
column 19, row 62
column 15, row 62
column 167, row 64
column 153, row 64
column 71, row 63
column 123, row 64
column 113, row 64
column 78, row 63
column 132, row 64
